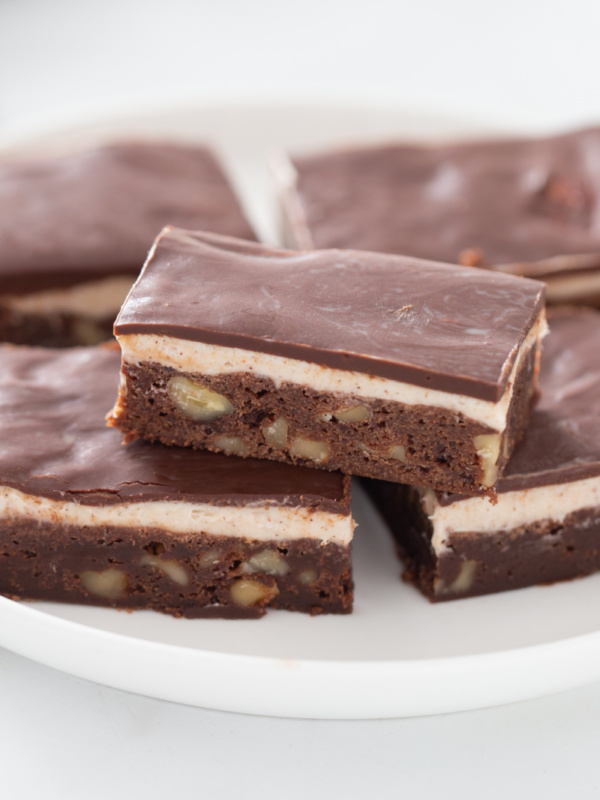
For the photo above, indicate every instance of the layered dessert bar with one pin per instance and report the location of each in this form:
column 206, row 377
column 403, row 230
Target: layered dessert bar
column 76, row 227
column 84, row 519
column 523, row 206
column 375, row 365
column 546, row 524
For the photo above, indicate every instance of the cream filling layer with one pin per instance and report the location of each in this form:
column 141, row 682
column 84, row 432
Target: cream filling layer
column 95, row 299
column 205, row 359
column 254, row 522
column 513, row 509
column 571, row 287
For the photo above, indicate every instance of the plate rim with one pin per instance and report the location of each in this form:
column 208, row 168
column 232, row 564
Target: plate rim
column 44, row 124
column 300, row 688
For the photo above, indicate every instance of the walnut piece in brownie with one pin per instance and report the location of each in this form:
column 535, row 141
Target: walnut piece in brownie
column 75, row 229
column 546, row 524
column 525, row 206
column 84, row 519
column 375, row 365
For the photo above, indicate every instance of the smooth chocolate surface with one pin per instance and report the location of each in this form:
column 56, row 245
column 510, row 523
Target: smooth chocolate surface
column 54, row 443
column 95, row 212
column 434, row 325
column 481, row 203
column 562, row 441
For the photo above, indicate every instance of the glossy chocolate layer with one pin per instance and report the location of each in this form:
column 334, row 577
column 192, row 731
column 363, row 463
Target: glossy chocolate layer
column 434, row 325
column 96, row 212
column 54, row 442
column 483, row 203
column 562, row 442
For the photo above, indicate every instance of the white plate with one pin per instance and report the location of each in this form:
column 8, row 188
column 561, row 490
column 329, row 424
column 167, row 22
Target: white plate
column 396, row 655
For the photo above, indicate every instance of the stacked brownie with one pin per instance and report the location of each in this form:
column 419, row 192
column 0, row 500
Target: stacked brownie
column 255, row 381
column 371, row 364
column 401, row 370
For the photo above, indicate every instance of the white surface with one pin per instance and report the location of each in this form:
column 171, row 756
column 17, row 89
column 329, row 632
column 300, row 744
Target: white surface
column 533, row 61
column 63, row 738
column 396, row 655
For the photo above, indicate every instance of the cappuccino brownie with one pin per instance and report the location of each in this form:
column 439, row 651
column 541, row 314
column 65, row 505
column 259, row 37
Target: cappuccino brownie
column 526, row 206
column 546, row 524
column 375, row 365
column 76, row 227
column 84, row 519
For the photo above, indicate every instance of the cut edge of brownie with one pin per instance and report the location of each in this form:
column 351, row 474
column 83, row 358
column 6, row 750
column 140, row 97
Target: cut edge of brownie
column 197, row 575
column 473, row 563
column 369, row 437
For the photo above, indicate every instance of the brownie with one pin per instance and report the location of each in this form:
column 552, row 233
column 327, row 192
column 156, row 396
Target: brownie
column 84, row 519
column 375, row 365
column 546, row 524
column 523, row 206
column 76, row 227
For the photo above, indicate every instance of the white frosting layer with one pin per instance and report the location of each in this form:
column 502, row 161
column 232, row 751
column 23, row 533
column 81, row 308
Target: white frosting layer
column 95, row 299
column 205, row 359
column 255, row 522
column 565, row 288
column 513, row 510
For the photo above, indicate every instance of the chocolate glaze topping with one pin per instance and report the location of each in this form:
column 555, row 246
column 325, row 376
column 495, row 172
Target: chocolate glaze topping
column 96, row 212
column 54, row 442
column 482, row 204
column 434, row 325
column 562, row 442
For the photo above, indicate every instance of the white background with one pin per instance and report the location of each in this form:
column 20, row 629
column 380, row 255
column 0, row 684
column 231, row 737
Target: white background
column 536, row 61
column 529, row 64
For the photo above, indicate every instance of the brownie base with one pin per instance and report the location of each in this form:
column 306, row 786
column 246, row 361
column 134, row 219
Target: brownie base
column 438, row 447
column 186, row 576
column 477, row 563
column 53, row 330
